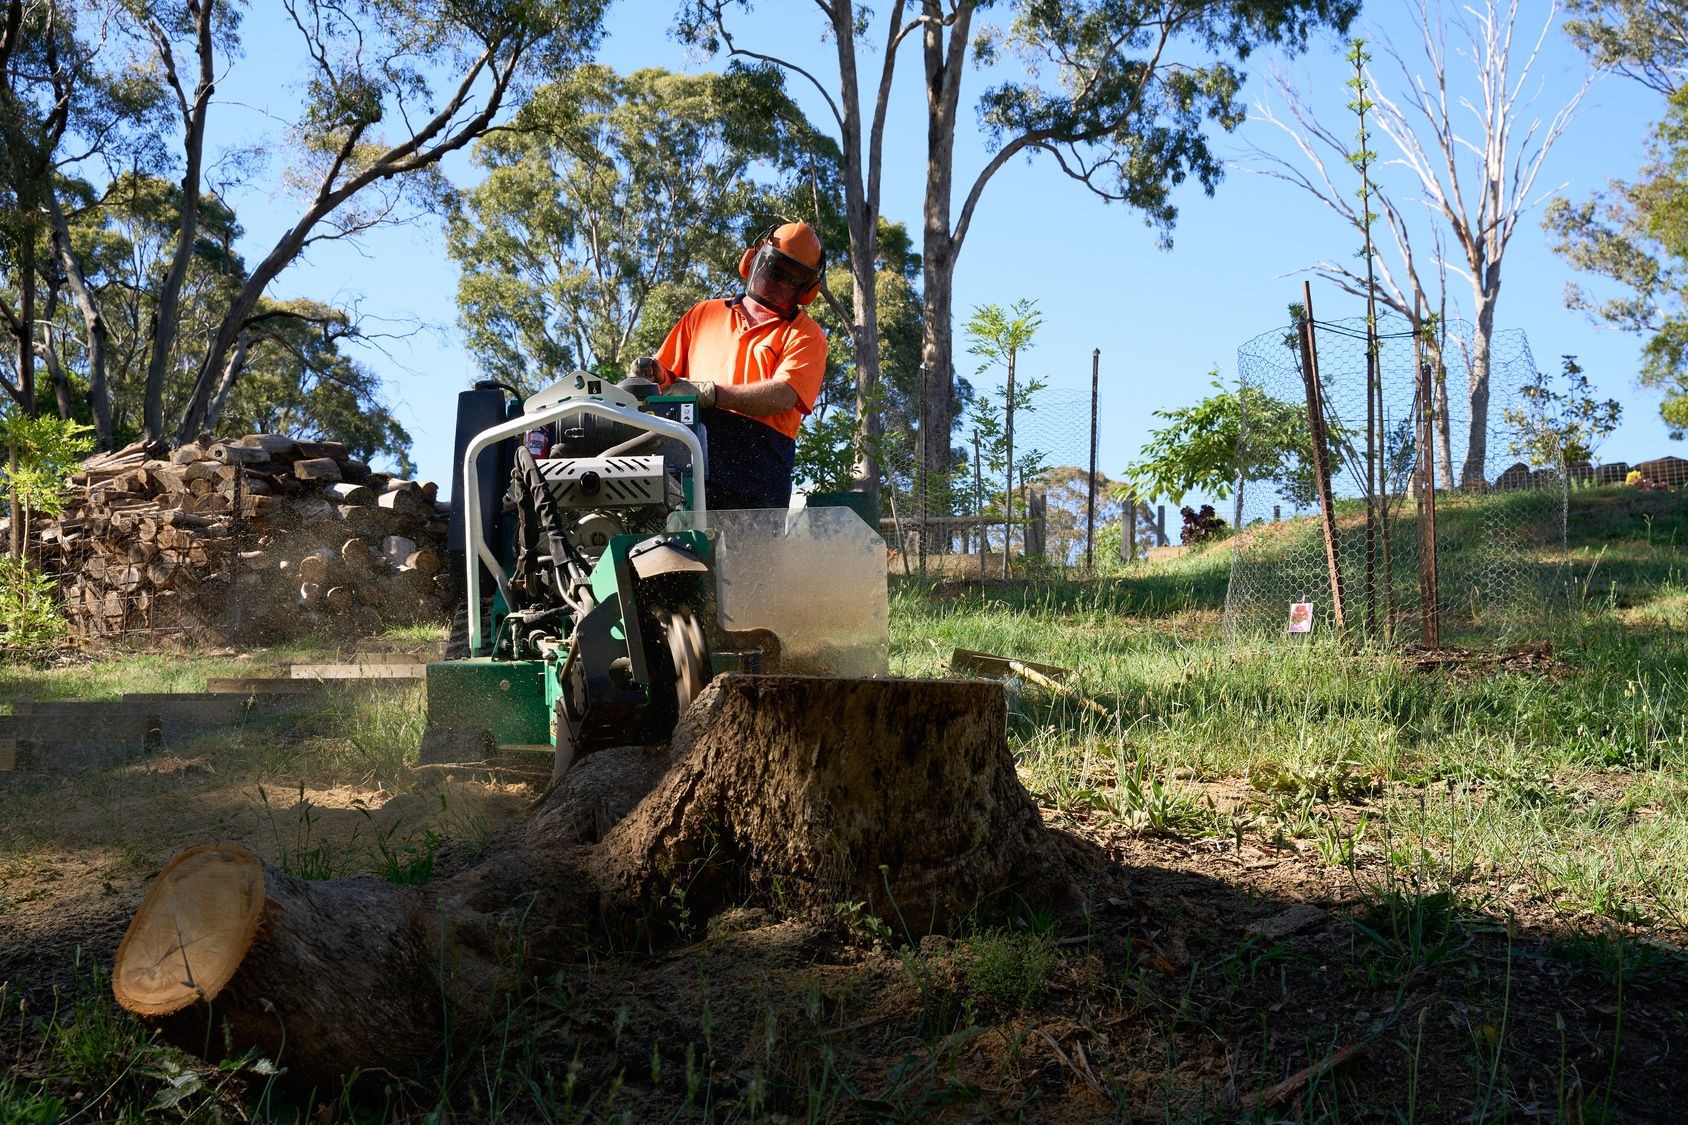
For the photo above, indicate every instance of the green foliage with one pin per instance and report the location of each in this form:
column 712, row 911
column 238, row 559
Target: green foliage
column 48, row 450
column 1642, row 39
column 1137, row 120
column 411, row 862
column 1635, row 234
column 29, row 611
column 299, row 382
column 1199, row 449
column 613, row 204
column 999, row 335
column 89, row 1053
column 1561, row 427
column 298, row 378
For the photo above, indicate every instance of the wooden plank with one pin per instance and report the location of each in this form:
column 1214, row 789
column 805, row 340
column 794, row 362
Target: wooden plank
column 260, row 685
column 359, row 671
column 985, row 664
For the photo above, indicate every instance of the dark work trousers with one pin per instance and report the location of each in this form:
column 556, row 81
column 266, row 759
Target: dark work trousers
column 749, row 462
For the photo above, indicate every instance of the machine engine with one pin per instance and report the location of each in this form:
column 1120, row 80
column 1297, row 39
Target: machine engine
column 599, row 498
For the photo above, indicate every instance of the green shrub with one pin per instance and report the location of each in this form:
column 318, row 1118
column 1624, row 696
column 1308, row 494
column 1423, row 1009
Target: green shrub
column 29, row 614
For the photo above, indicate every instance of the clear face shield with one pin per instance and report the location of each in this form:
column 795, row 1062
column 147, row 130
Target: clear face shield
column 778, row 280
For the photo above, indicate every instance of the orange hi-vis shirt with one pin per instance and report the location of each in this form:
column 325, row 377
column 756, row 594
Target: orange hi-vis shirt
column 715, row 342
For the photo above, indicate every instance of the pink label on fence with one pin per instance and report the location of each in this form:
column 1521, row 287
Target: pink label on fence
column 1301, row 617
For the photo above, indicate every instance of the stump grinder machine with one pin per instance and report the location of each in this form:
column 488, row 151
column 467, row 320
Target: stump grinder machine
column 601, row 594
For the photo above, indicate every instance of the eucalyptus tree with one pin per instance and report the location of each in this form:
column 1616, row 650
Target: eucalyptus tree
column 1635, row 233
column 611, row 205
column 1120, row 94
column 391, row 88
column 848, row 26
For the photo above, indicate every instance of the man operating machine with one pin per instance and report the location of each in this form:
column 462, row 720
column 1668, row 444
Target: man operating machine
column 755, row 363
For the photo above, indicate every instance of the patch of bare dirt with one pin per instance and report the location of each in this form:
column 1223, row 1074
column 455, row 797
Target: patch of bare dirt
column 79, row 850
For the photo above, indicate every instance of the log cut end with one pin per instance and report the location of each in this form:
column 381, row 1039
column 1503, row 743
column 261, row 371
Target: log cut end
column 192, row 931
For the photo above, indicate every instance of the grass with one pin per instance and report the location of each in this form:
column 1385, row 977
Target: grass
column 1497, row 849
column 1570, row 783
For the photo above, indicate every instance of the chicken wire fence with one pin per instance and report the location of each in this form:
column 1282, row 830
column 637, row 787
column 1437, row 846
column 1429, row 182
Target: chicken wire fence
column 1493, row 526
column 958, row 523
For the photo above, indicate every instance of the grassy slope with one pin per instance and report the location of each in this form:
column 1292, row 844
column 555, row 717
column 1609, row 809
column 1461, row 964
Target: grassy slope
column 1574, row 782
column 1505, row 841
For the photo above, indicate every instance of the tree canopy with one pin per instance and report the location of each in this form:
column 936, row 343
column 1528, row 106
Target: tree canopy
column 1635, row 232
column 612, row 204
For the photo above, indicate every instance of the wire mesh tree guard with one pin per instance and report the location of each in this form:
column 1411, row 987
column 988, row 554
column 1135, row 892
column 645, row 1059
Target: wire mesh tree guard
column 957, row 523
column 1478, row 558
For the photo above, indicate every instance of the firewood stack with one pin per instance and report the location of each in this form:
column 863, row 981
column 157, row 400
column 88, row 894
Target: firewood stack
column 263, row 537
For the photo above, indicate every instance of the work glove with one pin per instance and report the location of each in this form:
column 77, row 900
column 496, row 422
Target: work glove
column 649, row 367
column 705, row 392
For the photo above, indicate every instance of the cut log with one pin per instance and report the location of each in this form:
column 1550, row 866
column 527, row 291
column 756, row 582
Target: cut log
column 803, row 793
column 333, row 450
column 276, row 445
column 404, row 503
column 239, row 454
column 338, row 598
column 425, row 562
column 161, row 572
column 317, row 468
column 314, row 566
column 354, row 552
column 219, row 934
column 345, row 493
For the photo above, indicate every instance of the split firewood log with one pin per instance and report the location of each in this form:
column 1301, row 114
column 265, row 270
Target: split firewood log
column 396, row 548
column 317, row 468
column 345, row 493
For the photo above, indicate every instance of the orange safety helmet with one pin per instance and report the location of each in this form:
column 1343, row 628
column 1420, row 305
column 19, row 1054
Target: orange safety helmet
column 783, row 267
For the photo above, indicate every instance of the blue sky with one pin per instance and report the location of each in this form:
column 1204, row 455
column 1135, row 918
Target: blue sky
column 1162, row 319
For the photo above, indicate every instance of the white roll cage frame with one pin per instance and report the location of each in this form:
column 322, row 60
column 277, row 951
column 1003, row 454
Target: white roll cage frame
column 565, row 398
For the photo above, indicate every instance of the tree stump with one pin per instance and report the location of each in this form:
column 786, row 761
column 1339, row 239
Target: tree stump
column 797, row 791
